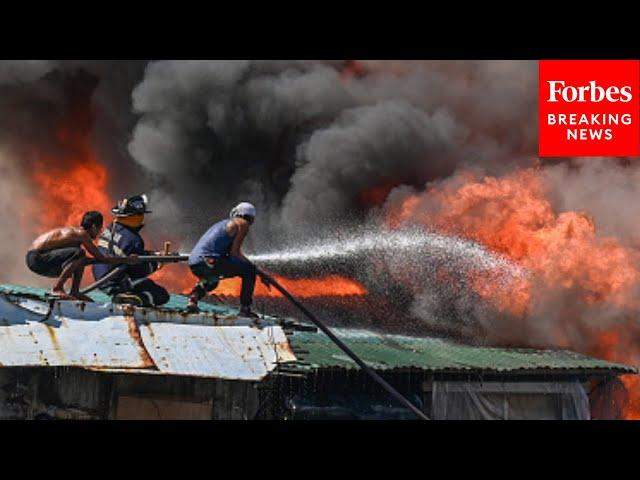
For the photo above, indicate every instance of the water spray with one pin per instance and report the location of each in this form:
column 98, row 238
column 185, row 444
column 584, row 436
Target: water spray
column 439, row 248
column 398, row 246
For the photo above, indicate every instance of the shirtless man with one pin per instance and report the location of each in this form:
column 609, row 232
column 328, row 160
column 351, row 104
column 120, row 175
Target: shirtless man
column 59, row 253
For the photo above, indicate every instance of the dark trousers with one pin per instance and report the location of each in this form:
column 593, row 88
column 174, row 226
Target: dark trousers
column 52, row 262
column 226, row 267
column 151, row 292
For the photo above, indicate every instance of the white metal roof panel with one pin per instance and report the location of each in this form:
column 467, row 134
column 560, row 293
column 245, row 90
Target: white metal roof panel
column 235, row 353
column 103, row 337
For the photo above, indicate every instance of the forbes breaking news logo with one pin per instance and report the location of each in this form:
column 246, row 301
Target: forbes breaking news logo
column 589, row 108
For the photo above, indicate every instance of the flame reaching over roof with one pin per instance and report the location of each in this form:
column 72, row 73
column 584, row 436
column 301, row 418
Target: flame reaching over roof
column 71, row 180
column 178, row 278
column 513, row 216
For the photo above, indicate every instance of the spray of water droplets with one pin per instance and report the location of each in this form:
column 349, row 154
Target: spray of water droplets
column 409, row 274
column 406, row 246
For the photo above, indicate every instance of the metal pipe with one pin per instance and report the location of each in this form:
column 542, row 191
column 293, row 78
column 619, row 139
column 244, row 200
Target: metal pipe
column 150, row 258
column 397, row 395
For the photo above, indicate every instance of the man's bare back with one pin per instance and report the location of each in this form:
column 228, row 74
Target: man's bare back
column 60, row 238
column 61, row 253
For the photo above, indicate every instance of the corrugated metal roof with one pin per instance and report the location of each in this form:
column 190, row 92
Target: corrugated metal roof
column 219, row 344
column 102, row 336
column 94, row 336
column 384, row 352
column 219, row 352
column 176, row 302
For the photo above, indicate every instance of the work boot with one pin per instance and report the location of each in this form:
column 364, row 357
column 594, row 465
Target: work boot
column 192, row 308
column 246, row 312
column 128, row 299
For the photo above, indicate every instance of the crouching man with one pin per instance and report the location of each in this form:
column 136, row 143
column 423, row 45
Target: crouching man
column 123, row 238
column 218, row 255
column 59, row 253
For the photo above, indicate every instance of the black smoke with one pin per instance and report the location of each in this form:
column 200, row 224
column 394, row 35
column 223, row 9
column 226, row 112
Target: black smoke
column 303, row 140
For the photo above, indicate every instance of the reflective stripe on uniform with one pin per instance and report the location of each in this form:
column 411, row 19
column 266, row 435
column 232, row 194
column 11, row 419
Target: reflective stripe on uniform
column 116, row 249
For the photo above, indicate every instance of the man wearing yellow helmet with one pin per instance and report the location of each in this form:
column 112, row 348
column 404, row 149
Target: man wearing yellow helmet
column 123, row 238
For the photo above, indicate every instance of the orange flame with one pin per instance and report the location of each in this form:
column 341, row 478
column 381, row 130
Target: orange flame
column 178, row 278
column 71, row 182
column 513, row 216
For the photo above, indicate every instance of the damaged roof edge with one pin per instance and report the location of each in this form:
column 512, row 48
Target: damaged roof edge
column 37, row 331
column 103, row 336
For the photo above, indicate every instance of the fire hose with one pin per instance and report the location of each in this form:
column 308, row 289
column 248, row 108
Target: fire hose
column 120, row 268
column 394, row 393
column 270, row 281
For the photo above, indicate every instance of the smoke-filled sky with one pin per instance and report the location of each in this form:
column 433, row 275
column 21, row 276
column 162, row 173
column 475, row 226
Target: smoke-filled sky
column 436, row 159
column 319, row 146
column 301, row 139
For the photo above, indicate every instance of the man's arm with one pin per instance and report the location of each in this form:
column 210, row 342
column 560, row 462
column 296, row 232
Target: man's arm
column 236, row 247
column 87, row 242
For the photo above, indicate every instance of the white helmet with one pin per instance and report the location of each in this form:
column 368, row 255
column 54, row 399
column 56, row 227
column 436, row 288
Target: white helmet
column 243, row 209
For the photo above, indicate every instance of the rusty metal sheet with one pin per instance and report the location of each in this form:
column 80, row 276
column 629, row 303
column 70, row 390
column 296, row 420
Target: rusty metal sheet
column 35, row 333
column 234, row 353
column 107, row 337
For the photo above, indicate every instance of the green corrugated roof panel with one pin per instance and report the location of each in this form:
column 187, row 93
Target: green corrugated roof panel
column 176, row 303
column 385, row 352
column 397, row 351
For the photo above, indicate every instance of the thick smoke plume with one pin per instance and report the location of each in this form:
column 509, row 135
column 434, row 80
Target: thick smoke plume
column 43, row 105
column 308, row 142
column 427, row 170
column 321, row 147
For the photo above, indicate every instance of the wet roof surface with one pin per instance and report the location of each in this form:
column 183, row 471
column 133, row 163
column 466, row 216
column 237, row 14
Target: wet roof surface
column 384, row 352
column 219, row 344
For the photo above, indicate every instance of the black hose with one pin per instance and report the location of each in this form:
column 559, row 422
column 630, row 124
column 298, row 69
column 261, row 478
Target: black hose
column 121, row 268
column 103, row 280
column 150, row 258
column 397, row 395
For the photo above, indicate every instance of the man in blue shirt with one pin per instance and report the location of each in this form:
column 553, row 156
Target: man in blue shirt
column 123, row 238
column 218, row 255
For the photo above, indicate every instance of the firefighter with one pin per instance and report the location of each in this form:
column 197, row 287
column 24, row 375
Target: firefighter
column 123, row 238
column 218, row 255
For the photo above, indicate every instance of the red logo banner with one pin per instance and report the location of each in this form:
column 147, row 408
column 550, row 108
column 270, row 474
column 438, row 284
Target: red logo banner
column 589, row 108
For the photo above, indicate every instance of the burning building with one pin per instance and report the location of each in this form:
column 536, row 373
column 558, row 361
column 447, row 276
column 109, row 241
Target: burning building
column 74, row 360
column 401, row 197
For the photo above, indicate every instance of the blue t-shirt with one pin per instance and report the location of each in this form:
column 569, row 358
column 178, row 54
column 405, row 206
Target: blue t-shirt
column 216, row 242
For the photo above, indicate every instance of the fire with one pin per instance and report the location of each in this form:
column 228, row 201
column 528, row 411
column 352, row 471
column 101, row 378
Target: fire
column 376, row 195
column 513, row 216
column 178, row 278
column 330, row 285
column 68, row 194
column 175, row 278
column 71, row 181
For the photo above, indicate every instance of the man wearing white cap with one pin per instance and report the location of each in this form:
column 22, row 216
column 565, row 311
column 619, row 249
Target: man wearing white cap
column 218, row 255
